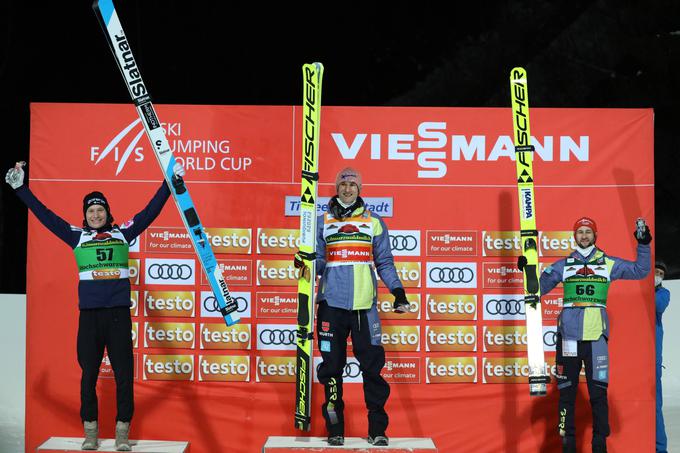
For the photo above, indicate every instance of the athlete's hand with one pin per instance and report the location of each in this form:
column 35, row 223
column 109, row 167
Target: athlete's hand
column 644, row 237
column 521, row 262
column 300, row 265
column 401, row 304
column 15, row 176
column 178, row 170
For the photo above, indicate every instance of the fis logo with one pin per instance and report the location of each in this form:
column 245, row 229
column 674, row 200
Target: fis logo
column 161, row 367
column 451, row 370
column 223, row 368
column 275, row 369
column 451, row 307
column 401, row 338
column 451, row 338
column 173, row 304
column 219, row 336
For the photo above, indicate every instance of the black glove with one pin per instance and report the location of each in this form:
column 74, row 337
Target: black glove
column 646, row 237
column 300, row 264
column 521, row 262
column 401, row 305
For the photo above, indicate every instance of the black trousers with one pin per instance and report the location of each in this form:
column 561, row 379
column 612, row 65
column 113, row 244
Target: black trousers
column 109, row 328
column 334, row 325
column 568, row 369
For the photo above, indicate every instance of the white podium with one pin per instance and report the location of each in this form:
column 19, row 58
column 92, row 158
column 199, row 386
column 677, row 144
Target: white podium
column 277, row 444
column 72, row 444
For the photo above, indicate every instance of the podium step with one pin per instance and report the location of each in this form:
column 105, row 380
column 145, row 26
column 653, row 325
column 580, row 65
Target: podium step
column 280, row 444
column 72, row 444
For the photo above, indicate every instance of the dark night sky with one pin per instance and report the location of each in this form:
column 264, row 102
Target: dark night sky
column 579, row 54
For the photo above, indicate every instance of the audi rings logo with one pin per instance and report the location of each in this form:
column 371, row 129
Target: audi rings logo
column 351, row 370
column 550, row 338
column 403, row 243
column 505, row 307
column 277, row 337
column 211, row 306
column 450, row 274
column 171, row 272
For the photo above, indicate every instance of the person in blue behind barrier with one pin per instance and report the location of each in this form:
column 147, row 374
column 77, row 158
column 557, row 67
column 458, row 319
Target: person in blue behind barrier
column 352, row 243
column 101, row 252
column 662, row 298
column 583, row 325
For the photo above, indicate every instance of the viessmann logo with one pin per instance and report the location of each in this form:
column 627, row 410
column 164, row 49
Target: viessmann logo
column 435, row 144
column 195, row 153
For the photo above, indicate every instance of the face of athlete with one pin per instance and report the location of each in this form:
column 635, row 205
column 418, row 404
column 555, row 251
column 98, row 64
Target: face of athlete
column 584, row 237
column 348, row 192
column 96, row 216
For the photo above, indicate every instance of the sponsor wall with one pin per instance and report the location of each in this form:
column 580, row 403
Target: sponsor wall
column 443, row 179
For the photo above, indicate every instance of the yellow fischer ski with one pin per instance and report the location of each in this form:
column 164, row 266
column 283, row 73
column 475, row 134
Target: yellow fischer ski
column 538, row 377
column 311, row 112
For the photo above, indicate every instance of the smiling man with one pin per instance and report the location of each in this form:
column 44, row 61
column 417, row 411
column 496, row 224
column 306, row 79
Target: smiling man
column 352, row 244
column 583, row 325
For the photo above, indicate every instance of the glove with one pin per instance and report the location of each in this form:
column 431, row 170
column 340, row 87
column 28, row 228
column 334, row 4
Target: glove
column 300, row 264
column 401, row 304
column 521, row 262
column 178, row 170
column 645, row 238
column 15, row 177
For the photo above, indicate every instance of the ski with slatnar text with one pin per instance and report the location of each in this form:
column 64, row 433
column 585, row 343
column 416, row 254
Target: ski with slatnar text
column 108, row 18
column 312, row 75
column 538, row 377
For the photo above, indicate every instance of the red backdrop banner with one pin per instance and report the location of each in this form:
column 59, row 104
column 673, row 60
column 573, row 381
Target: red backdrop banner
column 444, row 180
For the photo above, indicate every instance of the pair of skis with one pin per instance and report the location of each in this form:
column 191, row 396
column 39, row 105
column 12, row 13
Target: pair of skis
column 108, row 18
column 538, row 377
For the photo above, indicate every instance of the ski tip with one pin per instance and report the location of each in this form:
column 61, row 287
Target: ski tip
column 518, row 75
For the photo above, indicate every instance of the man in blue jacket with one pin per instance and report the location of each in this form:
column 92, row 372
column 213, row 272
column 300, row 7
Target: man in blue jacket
column 352, row 244
column 583, row 325
column 101, row 252
column 662, row 298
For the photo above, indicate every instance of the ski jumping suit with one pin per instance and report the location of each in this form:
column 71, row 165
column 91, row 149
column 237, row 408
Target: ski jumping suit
column 662, row 298
column 348, row 251
column 103, row 297
column 583, row 329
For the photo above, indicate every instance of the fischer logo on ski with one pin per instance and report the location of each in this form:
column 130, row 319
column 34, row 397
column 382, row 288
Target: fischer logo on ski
column 312, row 75
column 538, row 377
column 113, row 30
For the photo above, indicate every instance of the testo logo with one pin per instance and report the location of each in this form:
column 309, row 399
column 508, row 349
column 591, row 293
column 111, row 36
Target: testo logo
column 506, row 370
column 171, row 304
column 230, row 240
column 135, row 334
column 162, row 367
column 451, row 338
column 278, row 241
column 556, row 243
column 133, row 265
column 386, row 303
column 134, row 302
column 451, row 243
column 169, row 335
column 505, row 338
column 276, row 273
column 501, row 243
column 219, row 336
column 401, row 338
column 451, row 370
column 223, row 368
column 275, row 369
column 408, row 272
column 451, row 307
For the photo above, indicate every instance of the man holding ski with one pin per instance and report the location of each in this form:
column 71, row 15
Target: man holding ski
column 583, row 325
column 101, row 252
column 352, row 243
